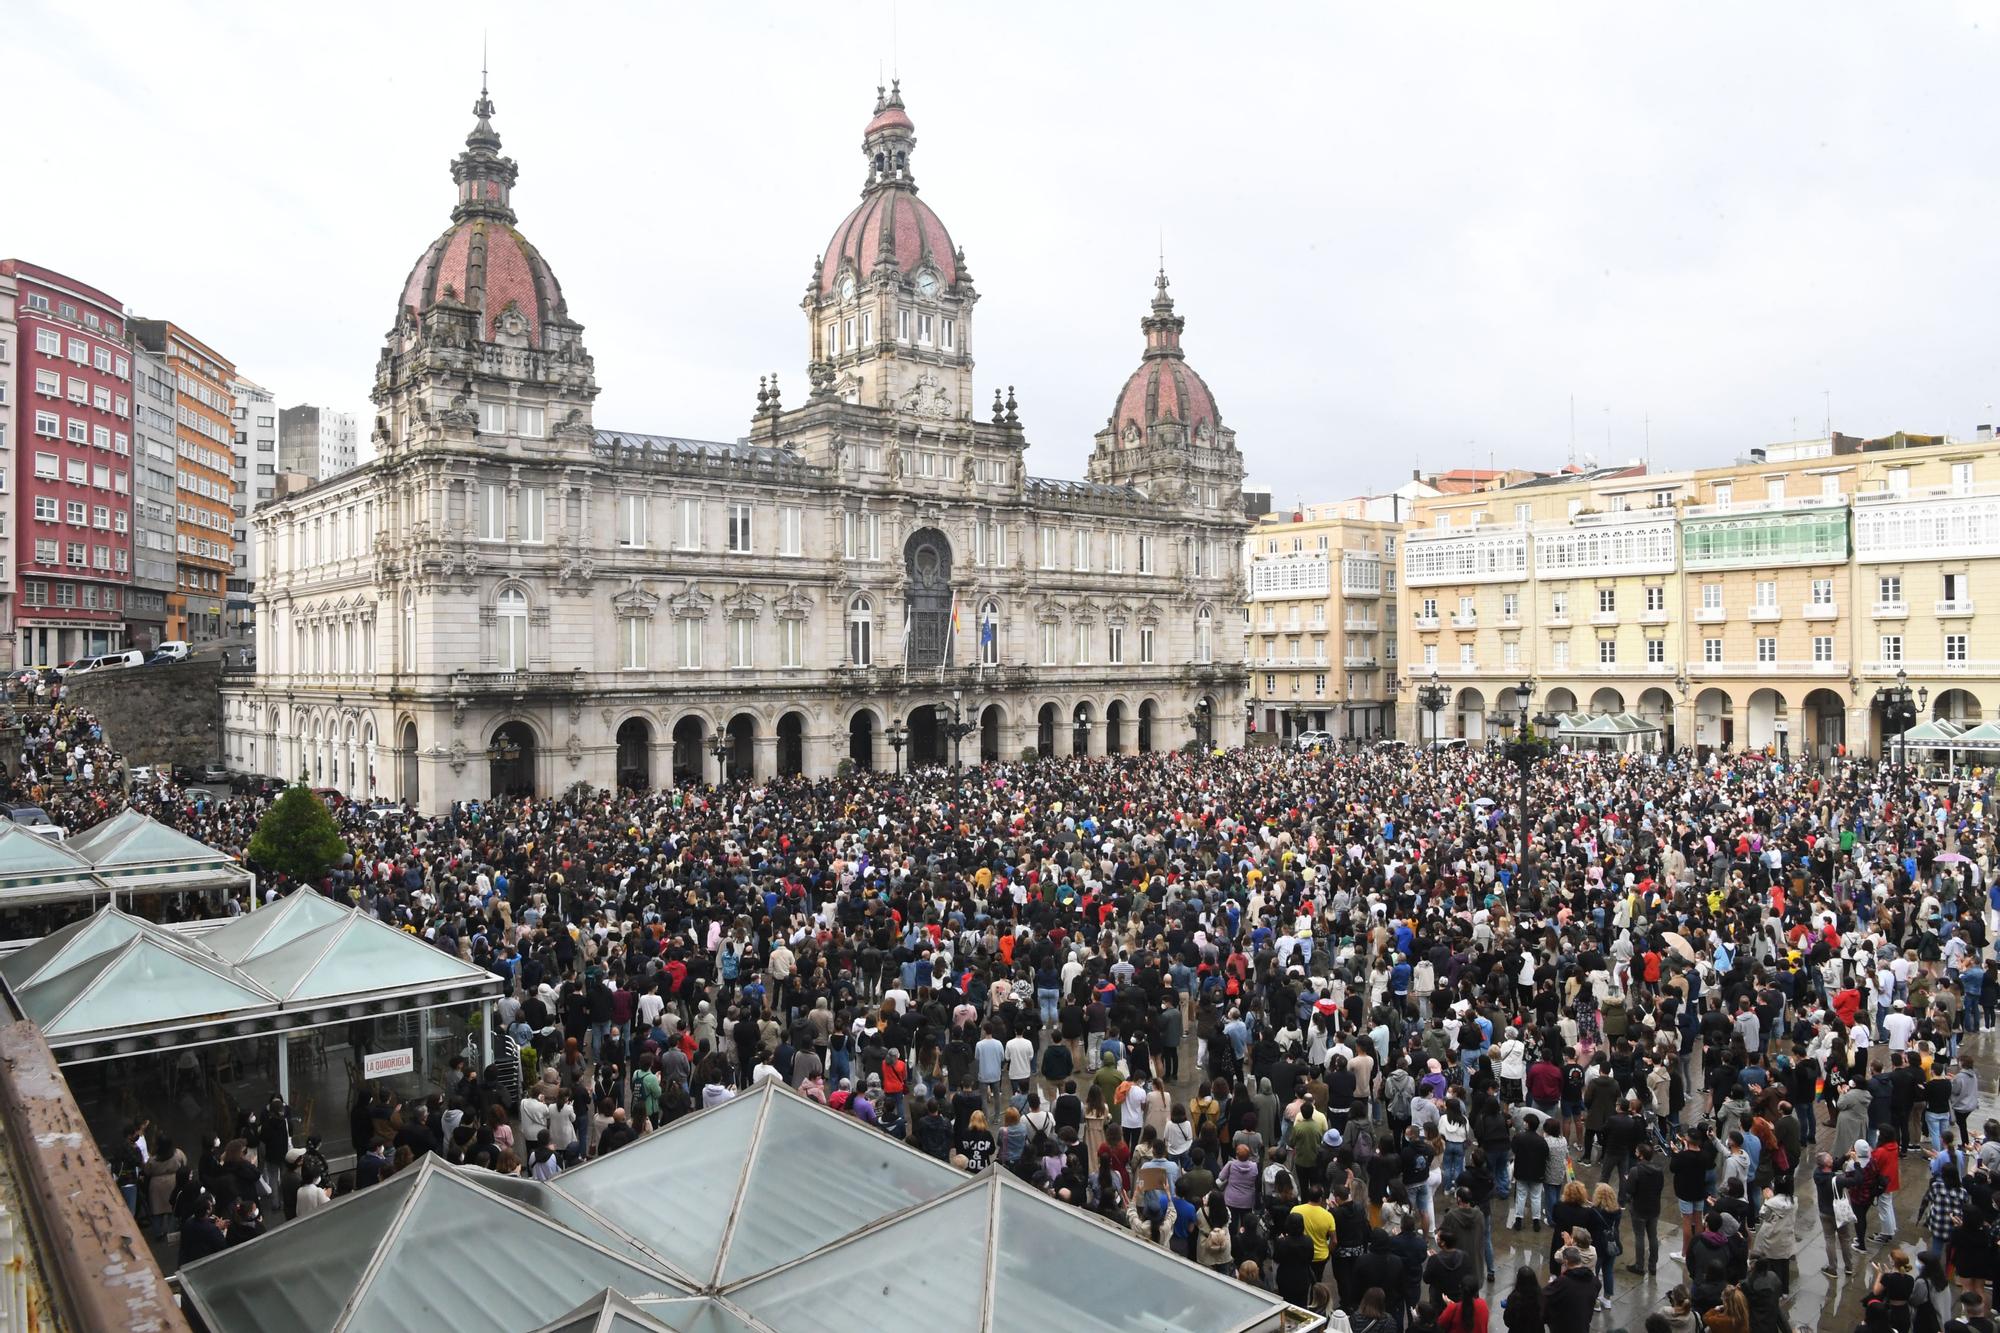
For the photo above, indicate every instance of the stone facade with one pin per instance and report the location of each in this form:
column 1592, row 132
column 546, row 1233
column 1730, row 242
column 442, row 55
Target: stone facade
column 508, row 598
column 1762, row 604
column 166, row 714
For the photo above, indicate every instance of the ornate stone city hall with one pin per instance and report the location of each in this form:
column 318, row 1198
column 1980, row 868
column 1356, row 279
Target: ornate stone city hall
column 510, row 598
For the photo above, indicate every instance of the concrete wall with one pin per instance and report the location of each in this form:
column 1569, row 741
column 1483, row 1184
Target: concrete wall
column 158, row 714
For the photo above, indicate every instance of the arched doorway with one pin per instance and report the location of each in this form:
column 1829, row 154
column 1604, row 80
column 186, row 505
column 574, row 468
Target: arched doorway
column 1079, row 729
column 1826, row 722
column 1959, row 706
column 408, row 762
column 1147, row 711
column 1114, row 727
column 1607, row 700
column 861, row 740
column 1714, row 720
column 1657, row 707
column 1045, row 731
column 990, row 719
column 926, row 740
column 1561, row 700
column 690, row 751
column 1766, row 720
column 511, row 760
column 635, row 754
column 791, row 745
column 1471, row 713
column 742, row 762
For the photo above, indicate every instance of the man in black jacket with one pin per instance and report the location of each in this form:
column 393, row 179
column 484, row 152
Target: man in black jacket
column 1643, row 1186
column 1531, row 1159
column 1570, row 1299
column 1449, row 1273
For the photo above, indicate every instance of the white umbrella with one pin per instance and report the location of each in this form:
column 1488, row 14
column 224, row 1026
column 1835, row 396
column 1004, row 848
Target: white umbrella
column 1678, row 943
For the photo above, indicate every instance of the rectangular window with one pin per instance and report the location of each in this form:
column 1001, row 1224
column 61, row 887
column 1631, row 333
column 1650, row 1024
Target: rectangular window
column 688, row 632
column 47, row 423
column 1889, row 589
column 867, row 329
column 45, row 551
column 742, row 642
column 1711, row 596
column 1510, row 606
column 1767, row 594
column 492, row 512
column 530, row 513
column 1559, row 604
column 1083, row 645
column 1146, row 645
column 529, row 422
column 1431, row 654
column 74, row 512
column 689, row 538
column 1114, row 553
column 493, row 418
column 902, row 326
column 1145, row 555
column 739, row 528
column 1607, row 651
column 1607, row 599
column 1954, row 648
column 1114, row 645
column 48, row 342
column 1048, row 548
column 79, row 391
column 950, row 338
column 1822, row 592
column 924, row 329
column 1048, row 643
column 1711, row 650
column 77, row 471
column 79, row 351
column 1822, row 647
column 1957, row 587
column 1725, row 494
column 1656, row 652
column 78, row 432
column 49, row 383
column 45, row 508
column 1656, row 597
column 1767, row 648
column 632, row 521
column 791, row 522
column 1081, row 551
column 635, row 643
column 1465, row 658
column 1510, row 653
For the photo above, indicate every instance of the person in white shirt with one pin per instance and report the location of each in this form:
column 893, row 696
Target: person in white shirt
column 1132, row 1112
column 312, row 1195
column 1020, row 1063
column 1899, row 1025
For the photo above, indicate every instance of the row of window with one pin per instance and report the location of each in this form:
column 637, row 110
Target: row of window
column 78, row 431
column 1954, row 587
column 52, row 385
column 38, row 592
column 79, row 555
column 81, row 472
column 77, row 514
column 920, row 328
column 39, row 301
column 1765, row 648
column 49, row 342
column 1083, row 546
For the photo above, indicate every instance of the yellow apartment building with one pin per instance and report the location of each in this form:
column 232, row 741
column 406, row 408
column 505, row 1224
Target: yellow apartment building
column 1321, row 629
column 1761, row 604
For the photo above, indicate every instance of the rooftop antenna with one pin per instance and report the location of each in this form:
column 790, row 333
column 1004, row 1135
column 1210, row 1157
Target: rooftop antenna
column 1827, row 395
column 482, row 63
column 1572, row 430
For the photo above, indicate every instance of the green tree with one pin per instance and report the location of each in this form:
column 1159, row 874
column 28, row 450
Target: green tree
column 296, row 837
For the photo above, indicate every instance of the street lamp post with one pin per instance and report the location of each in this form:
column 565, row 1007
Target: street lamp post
column 721, row 750
column 1899, row 714
column 1525, row 749
column 898, row 736
column 957, row 728
column 1430, row 698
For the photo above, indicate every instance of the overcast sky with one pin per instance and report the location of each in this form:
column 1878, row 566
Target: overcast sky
column 1402, row 235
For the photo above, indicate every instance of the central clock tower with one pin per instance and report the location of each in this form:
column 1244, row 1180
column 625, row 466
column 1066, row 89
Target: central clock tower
column 889, row 308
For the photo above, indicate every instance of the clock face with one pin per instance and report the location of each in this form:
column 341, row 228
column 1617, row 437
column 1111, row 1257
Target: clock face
column 847, row 289
column 927, row 283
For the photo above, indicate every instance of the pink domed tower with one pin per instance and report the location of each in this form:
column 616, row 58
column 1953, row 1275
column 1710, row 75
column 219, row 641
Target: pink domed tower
column 1165, row 435
column 483, row 350
column 889, row 308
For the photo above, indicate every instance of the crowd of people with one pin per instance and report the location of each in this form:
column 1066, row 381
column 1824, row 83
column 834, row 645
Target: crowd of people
column 1304, row 1018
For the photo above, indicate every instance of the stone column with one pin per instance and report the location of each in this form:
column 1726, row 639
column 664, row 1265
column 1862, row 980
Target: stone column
column 764, row 756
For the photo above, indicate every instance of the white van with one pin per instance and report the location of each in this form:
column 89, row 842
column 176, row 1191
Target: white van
column 131, row 657
column 173, row 650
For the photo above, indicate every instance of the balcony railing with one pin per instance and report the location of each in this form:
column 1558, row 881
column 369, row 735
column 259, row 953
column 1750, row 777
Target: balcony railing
column 1822, row 611
column 1892, row 610
column 1776, row 667
column 1361, row 626
column 1766, row 506
column 1710, row 615
column 1954, row 606
column 1764, row 612
column 1557, row 620
column 1427, row 622
column 516, row 682
column 1363, row 663
column 1969, row 667
column 1881, row 494
column 1465, row 620
column 1603, row 617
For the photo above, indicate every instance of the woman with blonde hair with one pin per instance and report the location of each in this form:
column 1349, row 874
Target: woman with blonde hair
column 1732, row 1316
column 1609, row 1216
column 1096, row 1115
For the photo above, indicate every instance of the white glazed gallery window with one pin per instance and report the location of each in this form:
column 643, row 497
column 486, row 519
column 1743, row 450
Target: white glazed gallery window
column 531, row 507
column 1146, row 645
column 688, row 631
column 742, row 643
column 791, row 525
column 790, row 634
column 492, row 512
column 860, row 632
column 635, row 643
column 493, row 418
column 511, row 622
column 739, row 529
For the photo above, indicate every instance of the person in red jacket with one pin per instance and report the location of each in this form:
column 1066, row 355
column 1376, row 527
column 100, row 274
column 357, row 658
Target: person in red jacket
column 1886, row 1162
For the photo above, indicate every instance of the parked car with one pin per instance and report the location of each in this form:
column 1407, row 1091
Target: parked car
column 1315, row 740
column 255, row 784
column 141, row 773
column 214, row 773
column 331, row 796
column 35, row 820
column 379, row 810
column 173, row 650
